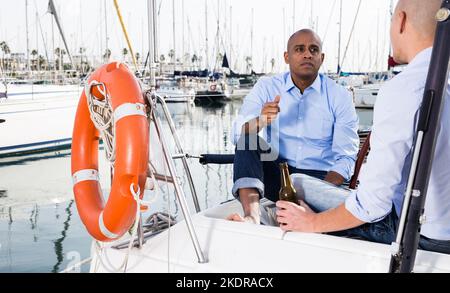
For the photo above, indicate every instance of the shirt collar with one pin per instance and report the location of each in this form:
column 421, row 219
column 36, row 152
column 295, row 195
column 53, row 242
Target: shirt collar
column 423, row 55
column 316, row 85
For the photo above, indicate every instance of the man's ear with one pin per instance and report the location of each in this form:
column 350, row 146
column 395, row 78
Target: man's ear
column 322, row 57
column 402, row 21
column 286, row 57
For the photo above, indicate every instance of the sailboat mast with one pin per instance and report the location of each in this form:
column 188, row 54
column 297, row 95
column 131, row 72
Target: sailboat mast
column 284, row 25
column 174, row 38
column 231, row 35
column 339, row 42
column 152, row 39
column 106, row 28
column 183, row 49
column 38, row 68
column 251, row 38
column 28, row 39
column 53, row 48
column 206, row 35
column 293, row 16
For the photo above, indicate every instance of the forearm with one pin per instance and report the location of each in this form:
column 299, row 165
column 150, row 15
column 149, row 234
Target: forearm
column 336, row 219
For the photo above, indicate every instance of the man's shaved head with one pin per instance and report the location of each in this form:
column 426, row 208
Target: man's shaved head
column 413, row 27
column 304, row 31
column 422, row 15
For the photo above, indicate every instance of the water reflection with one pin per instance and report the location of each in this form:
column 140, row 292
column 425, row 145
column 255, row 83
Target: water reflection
column 59, row 242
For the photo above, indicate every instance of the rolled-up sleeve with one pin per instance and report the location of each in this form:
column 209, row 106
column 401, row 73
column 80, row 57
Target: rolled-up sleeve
column 345, row 136
column 250, row 109
column 389, row 159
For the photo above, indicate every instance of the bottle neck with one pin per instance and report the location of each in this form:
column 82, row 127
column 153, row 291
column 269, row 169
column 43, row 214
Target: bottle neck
column 285, row 178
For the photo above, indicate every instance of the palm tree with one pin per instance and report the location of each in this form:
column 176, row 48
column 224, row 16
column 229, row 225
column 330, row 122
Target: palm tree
column 107, row 55
column 34, row 53
column 272, row 63
column 194, row 60
column 63, row 52
column 82, row 50
column 5, row 50
column 171, row 55
column 248, row 60
column 138, row 56
column 42, row 62
column 58, row 60
column 124, row 53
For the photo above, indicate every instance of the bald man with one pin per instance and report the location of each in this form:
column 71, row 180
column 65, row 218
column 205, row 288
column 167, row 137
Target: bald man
column 307, row 120
column 372, row 211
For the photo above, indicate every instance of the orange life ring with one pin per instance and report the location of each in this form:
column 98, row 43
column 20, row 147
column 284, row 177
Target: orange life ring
column 213, row 87
column 109, row 222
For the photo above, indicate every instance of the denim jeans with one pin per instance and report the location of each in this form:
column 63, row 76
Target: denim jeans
column 251, row 170
column 322, row 196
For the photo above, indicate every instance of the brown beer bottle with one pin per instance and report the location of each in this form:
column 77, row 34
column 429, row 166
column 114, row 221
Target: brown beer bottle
column 287, row 190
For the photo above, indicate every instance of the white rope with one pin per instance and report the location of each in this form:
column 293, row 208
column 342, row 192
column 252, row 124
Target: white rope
column 101, row 248
column 76, row 266
column 101, row 252
column 102, row 116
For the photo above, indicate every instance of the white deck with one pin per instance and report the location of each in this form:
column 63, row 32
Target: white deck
column 241, row 247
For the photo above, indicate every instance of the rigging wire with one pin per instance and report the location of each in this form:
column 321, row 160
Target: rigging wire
column 349, row 38
column 329, row 20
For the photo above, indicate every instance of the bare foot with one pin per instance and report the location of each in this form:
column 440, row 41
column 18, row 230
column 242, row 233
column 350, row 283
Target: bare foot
column 238, row 218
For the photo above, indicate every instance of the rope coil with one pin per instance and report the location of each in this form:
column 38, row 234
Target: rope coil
column 102, row 116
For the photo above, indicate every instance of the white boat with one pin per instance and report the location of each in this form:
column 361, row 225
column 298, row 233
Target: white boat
column 206, row 242
column 231, row 247
column 212, row 91
column 176, row 95
column 37, row 117
column 366, row 96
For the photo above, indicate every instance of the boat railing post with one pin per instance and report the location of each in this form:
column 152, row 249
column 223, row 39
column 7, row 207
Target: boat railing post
column 152, row 99
column 180, row 151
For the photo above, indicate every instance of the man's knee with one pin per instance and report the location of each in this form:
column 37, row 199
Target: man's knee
column 252, row 142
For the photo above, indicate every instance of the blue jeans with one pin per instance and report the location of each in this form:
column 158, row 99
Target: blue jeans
column 322, row 196
column 251, row 171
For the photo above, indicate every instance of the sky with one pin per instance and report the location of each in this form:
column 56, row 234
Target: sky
column 270, row 22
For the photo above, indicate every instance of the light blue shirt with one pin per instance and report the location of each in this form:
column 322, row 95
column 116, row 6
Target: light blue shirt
column 316, row 130
column 384, row 177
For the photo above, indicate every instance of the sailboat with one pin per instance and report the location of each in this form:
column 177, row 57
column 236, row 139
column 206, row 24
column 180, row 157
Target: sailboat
column 37, row 116
column 206, row 242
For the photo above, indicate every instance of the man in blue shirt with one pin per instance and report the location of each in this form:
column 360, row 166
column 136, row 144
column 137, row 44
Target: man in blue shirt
column 307, row 120
column 372, row 211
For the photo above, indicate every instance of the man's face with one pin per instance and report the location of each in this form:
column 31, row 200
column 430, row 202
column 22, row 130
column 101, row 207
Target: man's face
column 304, row 55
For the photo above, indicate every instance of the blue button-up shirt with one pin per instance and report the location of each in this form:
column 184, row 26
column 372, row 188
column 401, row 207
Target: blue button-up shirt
column 384, row 177
column 316, row 130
